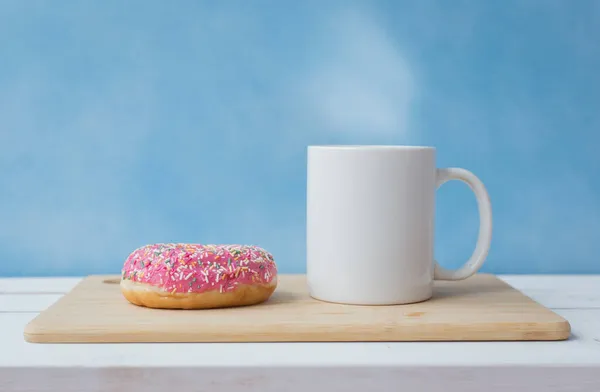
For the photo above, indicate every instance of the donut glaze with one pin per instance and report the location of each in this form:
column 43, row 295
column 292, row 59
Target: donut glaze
column 192, row 270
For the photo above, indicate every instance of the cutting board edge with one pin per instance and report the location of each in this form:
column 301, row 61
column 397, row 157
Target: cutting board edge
column 557, row 330
column 66, row 339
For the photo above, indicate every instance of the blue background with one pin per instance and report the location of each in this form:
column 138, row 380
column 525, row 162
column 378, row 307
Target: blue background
column 124, row 123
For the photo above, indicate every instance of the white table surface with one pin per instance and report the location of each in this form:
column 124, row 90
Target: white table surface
column 572, row 365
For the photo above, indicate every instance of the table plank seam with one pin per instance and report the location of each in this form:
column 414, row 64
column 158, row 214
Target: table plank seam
column 20, row 311
column 33, row 292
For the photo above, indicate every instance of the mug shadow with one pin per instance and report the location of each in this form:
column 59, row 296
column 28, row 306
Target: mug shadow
column 441, row 292
column 455, row 290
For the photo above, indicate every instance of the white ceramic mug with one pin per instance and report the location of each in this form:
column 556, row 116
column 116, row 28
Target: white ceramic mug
column 370, row 224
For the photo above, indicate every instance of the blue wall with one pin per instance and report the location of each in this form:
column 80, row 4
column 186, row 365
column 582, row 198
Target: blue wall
column 127, row 123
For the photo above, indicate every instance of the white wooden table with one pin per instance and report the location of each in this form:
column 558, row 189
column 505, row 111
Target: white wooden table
column 572, row 365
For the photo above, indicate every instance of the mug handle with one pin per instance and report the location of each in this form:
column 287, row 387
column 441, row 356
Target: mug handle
column 485, row 224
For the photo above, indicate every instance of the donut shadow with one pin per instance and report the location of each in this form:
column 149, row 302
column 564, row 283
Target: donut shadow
column 278, row 297
column 283, row 297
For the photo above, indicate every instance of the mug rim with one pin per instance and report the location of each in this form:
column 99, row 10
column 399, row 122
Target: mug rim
column 370, row 147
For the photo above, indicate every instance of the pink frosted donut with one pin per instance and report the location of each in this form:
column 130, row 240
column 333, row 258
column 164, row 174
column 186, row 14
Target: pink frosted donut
column 193, row 276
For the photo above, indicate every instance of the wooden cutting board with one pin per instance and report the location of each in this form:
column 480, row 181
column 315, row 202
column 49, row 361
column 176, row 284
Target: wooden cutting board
column 479, row 308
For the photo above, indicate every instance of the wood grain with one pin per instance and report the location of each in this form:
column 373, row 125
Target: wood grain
column 479, row 308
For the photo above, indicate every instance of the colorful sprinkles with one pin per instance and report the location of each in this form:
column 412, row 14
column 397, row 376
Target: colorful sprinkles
column 195, row 268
